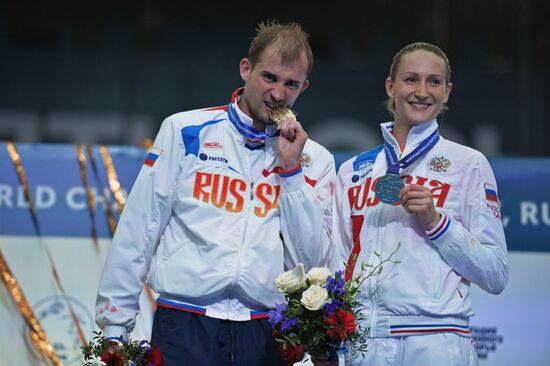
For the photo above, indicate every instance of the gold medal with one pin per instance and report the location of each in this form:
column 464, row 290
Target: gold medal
column 280, row 114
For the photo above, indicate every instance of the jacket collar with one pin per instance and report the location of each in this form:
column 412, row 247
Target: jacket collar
column 235, row 97
column 417, row 134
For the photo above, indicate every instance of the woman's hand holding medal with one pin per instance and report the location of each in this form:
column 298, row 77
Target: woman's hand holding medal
column 419, row 200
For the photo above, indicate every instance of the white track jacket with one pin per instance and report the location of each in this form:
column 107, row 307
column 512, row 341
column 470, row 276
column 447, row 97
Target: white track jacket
column 201, row 228
column 430, row 290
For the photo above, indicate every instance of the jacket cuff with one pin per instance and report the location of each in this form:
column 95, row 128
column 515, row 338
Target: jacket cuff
column 293, row 179
column 115, row 332
column 290, row 172
column 439, row 233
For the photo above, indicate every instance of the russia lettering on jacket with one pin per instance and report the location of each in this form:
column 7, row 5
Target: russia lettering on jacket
column 228, row 193
column 363, row 194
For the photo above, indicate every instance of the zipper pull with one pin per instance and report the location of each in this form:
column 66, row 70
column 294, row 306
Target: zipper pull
column 252, row 191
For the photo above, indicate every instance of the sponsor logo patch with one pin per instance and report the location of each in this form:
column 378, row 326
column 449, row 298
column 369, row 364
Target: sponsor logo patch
column 212, row 145
column 363, row 165
column 205, row 157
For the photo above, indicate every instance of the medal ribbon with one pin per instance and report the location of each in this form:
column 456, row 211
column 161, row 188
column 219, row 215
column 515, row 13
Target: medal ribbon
column 394, row 164
column 247, row 131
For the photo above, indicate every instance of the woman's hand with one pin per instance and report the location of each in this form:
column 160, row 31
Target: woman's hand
column 418, row 200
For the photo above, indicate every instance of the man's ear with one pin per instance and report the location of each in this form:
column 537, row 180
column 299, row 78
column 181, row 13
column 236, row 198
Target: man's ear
column 305, row 84
column 245, row 68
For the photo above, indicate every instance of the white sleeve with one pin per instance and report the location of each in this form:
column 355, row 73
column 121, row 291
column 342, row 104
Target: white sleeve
column 474, row 245
column 305, row 207
column 342, row 241
column 146, row 213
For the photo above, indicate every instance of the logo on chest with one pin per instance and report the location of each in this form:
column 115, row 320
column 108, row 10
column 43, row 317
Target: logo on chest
column 440, row 164
column 212, row 158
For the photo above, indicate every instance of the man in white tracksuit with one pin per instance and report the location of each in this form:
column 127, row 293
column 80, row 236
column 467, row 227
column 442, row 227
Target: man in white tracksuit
column 225, row 202
column 444, row 212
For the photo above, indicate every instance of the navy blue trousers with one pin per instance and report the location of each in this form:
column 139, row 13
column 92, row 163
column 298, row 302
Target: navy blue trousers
column 191, row 339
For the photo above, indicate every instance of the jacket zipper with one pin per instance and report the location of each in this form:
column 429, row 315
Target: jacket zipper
column 249, row 208
column 373, row 280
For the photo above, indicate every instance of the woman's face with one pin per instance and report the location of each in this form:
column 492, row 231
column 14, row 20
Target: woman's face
column 419, row 88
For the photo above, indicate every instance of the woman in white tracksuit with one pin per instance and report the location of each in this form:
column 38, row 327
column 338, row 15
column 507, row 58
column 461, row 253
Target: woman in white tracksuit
column 439, row 200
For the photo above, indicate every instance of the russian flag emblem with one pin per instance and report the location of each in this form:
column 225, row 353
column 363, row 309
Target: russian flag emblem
column 152, row 156
column 490, row 193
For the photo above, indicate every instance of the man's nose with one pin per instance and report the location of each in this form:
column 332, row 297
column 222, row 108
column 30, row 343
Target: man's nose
column 278, row 93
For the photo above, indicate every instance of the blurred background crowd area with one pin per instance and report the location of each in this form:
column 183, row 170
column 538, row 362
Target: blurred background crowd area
column 110, row 72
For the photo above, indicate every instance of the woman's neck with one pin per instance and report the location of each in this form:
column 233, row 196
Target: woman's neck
column 400, row 132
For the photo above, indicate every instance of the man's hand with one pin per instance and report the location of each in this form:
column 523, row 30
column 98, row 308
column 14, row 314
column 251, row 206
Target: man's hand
column 291, row 143
column 419, row 200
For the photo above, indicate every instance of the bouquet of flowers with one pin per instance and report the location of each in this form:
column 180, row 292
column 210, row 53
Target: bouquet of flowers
column 107, row 352
column 321, row 314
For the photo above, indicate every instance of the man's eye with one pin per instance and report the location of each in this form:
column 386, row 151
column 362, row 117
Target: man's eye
column 293, row 85
column 270, row 77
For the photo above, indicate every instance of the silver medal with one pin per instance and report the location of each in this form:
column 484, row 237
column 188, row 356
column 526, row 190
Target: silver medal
column 388, row 187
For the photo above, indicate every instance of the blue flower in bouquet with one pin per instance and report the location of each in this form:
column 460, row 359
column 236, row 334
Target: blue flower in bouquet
column 288, row 324
column 144, row 345
column 277, row 316
column 332, row 306
column 335, row 285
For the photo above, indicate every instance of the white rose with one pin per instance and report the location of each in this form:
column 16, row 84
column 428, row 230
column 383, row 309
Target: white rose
column 318, row 275
column 291, row 281
column 95, row 361
column 315, row 297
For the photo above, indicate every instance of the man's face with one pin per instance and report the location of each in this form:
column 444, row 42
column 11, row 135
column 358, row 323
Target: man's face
column 270, row 83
